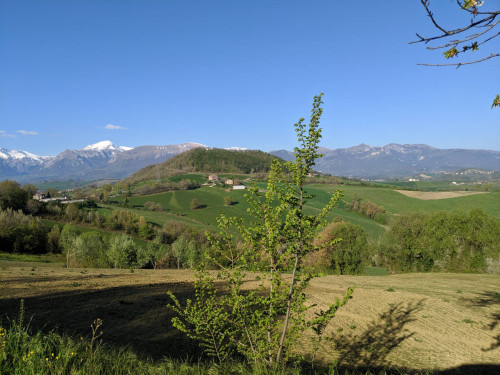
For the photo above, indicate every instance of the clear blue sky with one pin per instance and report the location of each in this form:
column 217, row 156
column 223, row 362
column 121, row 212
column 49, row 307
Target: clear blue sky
column 235, row 73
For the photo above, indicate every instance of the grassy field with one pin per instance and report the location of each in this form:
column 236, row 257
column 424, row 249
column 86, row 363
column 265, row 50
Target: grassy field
column 177, row 205
column 397, row 203
column 412, row 321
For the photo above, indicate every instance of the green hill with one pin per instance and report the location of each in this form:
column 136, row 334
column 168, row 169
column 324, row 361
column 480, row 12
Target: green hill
column 210, row 161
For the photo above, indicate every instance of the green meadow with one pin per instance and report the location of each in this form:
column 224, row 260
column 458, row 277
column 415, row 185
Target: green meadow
column 176, row 204
column 397, row 203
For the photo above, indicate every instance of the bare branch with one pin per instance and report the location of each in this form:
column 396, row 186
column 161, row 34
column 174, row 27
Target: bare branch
column 458, row 65
column 446, row 33
column 469, row 38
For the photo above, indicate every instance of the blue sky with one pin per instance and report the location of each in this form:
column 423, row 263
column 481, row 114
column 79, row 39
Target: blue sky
column 235, row 73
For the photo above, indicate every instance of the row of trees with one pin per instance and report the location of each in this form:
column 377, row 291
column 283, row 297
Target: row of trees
column 368, row 209
column 93, row 249
column 457, row 241
column 22, row 233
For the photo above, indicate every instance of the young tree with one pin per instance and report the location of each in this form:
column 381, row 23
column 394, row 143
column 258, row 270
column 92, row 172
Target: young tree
column 346, row 254
column 179, row 250
column 456, row 42
column 53, row 240
column 12, row 196
column 195, row 204
column 122, row 252
column 228, row 200
column 151, row 254
column 69, row 234
column 264, row 324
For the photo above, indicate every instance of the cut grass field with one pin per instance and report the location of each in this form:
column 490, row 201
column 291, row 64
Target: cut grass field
column 433, row 195
column 413, row 321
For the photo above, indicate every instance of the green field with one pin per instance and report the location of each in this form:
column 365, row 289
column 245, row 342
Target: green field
column 397, row 203
column 176, row 205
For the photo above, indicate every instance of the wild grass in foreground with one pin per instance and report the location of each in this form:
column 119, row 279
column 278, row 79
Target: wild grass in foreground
column 26, row 352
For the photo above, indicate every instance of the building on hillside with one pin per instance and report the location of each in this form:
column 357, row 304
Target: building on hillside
column 213, row 177
column 39, row 196
column 238, row 187
column 229, row 182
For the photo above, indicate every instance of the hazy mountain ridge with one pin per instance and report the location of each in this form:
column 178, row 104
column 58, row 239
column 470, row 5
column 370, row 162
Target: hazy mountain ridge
column 399, row 160
column 107, row 160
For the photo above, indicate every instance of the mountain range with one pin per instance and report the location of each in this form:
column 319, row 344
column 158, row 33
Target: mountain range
column 105, row 160
column 399, row 160
column 102, row 160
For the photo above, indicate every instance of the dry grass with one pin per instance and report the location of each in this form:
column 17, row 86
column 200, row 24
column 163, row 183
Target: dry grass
column 419, row 321
column 433, row 195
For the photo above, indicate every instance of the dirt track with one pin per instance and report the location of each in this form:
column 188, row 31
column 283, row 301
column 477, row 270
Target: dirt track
column 414, row 321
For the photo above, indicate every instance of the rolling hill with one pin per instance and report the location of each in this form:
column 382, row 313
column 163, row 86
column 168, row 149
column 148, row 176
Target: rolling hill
column 209, row 161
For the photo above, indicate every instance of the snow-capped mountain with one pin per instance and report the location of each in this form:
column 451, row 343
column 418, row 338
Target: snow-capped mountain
column 106, row 146
column 14, row 162
column 99, row 160
column 107, row 160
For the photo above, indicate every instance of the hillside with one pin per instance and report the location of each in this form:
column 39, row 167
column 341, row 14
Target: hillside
column 211, row 161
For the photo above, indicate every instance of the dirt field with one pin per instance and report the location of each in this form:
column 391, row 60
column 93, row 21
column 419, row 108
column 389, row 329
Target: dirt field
column 432, row 195
column 418, row 321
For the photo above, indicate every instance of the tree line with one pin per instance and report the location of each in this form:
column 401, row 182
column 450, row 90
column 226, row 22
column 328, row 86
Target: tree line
column 454, row 242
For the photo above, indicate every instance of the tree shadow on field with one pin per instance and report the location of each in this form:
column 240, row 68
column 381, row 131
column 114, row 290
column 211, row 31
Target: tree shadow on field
column 370, row 349
column 135, row 316
column 488, row 299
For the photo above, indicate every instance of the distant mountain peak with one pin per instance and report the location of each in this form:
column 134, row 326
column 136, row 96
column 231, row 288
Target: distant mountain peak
column 18, row 155
column 106, row 145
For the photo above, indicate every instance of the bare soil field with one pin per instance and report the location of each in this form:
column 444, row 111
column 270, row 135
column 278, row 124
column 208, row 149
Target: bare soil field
column 432, row 195
column 414, row 321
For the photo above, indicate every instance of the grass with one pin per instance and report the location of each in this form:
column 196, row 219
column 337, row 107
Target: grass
column 177, row 204
column 132, row 306
column 374, row 271
column 45, row 258
column 397, row 203
column 177, row 207
column 26, row 352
